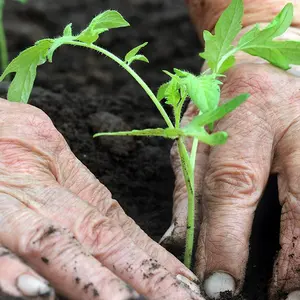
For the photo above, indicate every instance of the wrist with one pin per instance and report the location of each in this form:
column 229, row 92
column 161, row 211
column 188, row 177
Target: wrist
column 205, row 13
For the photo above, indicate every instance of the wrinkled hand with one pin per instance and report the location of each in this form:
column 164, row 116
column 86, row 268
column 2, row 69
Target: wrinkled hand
column 264, row 138
column 56, row 217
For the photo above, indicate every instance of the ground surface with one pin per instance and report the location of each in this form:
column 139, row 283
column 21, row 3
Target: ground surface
column 83, row 92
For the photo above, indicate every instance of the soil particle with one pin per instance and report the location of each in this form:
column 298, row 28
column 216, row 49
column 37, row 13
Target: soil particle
column 45, row 260
column 77, row 280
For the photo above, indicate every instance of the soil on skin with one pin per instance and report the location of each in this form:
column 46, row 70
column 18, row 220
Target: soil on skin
column 84, row 92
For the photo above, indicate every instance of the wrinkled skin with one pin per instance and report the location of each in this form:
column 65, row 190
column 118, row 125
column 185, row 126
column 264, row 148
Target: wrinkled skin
column 56, row 216
column 264, row 135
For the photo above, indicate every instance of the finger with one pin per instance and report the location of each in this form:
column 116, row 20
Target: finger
column 106, row 241
column 55, row 254
column 80, row 181
column 236, row 175
column 19, row 280
column 174, row 238
column 45, row 149
column 286, row 277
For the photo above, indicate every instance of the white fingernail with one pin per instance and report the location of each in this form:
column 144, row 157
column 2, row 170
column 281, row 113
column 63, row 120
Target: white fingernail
column 168, row 233
column 192, row 285
column 31, row 286
column 294, row 296
column 218, row 283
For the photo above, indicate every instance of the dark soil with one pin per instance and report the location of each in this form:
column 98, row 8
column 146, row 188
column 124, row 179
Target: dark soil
column 84, row 93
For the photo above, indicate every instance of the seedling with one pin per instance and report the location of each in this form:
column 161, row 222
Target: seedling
column 3, row 46
column 203, row 89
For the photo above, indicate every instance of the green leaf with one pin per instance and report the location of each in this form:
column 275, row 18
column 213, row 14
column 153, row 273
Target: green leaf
column 203, row 136
column 132, row 54
column 260, row 42
column 138, row 57
column 58, row 42
column 217, row 114
column 68, row 30
column 219, row 44
column 172, row 92
column 204, row 91
column 170, row 133
column 181, row 73
column 173, row 133
column 22, row 1
column 25, row 66
column 161, row 91
column 101, row 23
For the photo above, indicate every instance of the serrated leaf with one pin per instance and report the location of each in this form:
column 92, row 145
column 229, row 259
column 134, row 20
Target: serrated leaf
column 227, row 64
column 170, row 133
column 227, row 28
column 110, row 19
column 204, row 91
column 217, row 114
column 132, row 53
column 101, row 23
column 25, row 66
column 68, row 30
column 181, row 73
column 172, row 92
column 138, row 57
column 260, row 42
column 161, row 91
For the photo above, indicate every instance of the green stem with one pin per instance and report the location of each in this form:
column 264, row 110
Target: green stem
column 189, row 182
column 3, row 46
column 133, row 74
column 194, row 153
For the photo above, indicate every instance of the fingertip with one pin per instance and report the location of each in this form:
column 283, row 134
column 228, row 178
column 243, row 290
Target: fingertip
column 218, row 283
column 293, row 295
column 31, row 286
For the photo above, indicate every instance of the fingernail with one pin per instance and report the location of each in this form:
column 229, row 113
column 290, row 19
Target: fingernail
column 190, row 284
column 168, row 233
column 217, row 283
column 294, row 295
column 31, row 286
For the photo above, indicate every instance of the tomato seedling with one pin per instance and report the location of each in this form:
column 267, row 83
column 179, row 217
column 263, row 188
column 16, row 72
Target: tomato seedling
column 203, row 89
column 3, row 46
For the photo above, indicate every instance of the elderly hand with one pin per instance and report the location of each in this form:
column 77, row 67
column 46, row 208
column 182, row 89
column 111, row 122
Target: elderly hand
column 264, row 135
column 57, row 220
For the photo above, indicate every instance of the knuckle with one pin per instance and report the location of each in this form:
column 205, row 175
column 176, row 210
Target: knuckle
column 98, row 233
column 246, row 79
column 231, row 181
column 43, row 128
column 42, row 239
column 115, row 212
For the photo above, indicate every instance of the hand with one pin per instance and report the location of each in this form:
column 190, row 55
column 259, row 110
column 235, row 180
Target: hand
column 264, row 135
column 58, row 218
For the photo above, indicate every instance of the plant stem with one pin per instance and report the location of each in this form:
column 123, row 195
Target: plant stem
column 189, row 182
column 133, row 74
column 3, row 46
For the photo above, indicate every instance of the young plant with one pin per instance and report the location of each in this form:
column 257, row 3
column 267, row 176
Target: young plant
column 3, row 46
column 203, row 89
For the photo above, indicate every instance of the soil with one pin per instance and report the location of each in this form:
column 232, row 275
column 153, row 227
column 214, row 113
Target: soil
column 84, row 92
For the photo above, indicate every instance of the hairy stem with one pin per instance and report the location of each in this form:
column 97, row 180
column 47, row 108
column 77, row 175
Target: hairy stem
column 133, row 74
column 3, row 46
column 189, row 182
